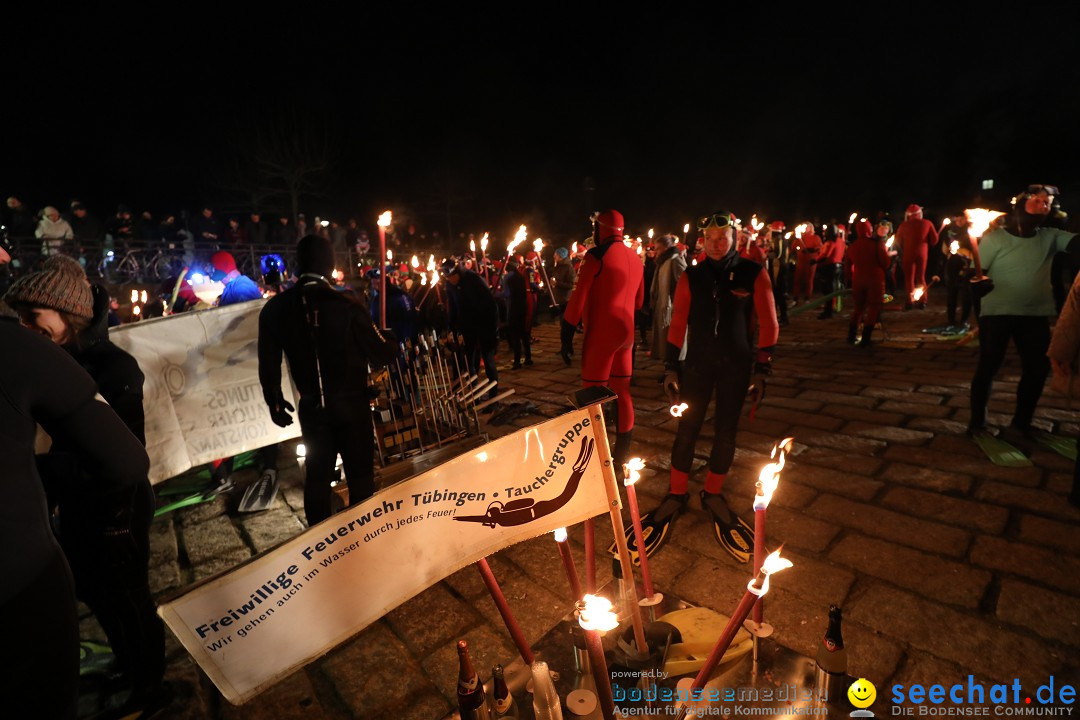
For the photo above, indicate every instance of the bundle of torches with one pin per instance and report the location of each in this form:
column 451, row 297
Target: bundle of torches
column 596, row 614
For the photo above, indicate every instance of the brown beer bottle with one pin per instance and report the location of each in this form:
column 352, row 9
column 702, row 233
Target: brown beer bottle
column 472, row 702
column 500, row 695
column 831, row 657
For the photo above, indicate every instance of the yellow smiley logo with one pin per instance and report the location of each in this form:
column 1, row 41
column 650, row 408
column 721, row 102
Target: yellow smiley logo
column 862, row 693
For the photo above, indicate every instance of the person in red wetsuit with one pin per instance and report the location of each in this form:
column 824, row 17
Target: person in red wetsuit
column 915, row 236
column 831, row 260
column 610, row 288
column 868, row 262
column 715, row 305
column 807, row 249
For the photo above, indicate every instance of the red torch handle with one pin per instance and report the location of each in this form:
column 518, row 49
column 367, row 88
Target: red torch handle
column 571, row 569
column 635, row 517
column 759, row 558
column 590, row 556
column 600, row 673
column 724, row 641
column 504, row 609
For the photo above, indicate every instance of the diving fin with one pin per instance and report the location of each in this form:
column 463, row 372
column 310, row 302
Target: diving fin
column 95, row 659
column 260, row 494
column 655, row 528
column 210, row 493
column 732, row 532
column 1000, row 452
column 1066, row 447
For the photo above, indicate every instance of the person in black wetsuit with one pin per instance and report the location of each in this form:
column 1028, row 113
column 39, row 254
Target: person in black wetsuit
column 58, row 302
column 715, row 302
column 40, row 383
column 328, row 338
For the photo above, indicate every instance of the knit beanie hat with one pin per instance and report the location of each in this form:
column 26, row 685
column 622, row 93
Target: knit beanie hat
column 57, row 286
column 562, row 252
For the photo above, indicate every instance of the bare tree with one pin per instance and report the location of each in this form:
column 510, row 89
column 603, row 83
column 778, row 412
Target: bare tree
column 285, row 152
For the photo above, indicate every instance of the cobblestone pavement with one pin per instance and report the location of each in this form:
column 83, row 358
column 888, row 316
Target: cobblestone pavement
column 945, row 565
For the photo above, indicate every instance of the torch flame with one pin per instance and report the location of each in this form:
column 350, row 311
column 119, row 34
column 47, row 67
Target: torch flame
column 389, row 254
column 142, row 296
column 633, row 467
column 773, row 564
column 889, row 242
column 946, row 221
column 415, row 261
column 573, row 248
column 954, row 247
column 423, row 280
column 136, row 310
column 472, row 246
column 686, row 228
column 650, row 233
column 769, row 478
column 596, row 614
column 917, row 295
column 134, row 296
column 799, row 230
column 678, row 410
column 431, row 263
column 385, row 219
column 851, row 219
column 519, row 237
column 787, row 236
column 560, row 534
column 979, row 220
column 538, row 245
column 484, row 242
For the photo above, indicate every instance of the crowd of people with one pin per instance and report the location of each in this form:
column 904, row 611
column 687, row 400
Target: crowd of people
column 715, row 309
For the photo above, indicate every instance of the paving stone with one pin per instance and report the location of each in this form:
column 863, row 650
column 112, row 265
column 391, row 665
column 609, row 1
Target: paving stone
column 820, row 583
column 928, row 575
column 845, row 443
column 979, row 467
column 1036, row 501
column 835, row 398
column 831, row 480
column 957, row 445
column 390, row 674
column 271, row 528
column 938, row 426
column 1047, row 613
column 536, row 606
column 829, row 458
column 1044, row 566
column 218, row 565
column 211, row 539
column 163, row 548
column 430, row 619
column 860, row 414
column 891, row 526
column 802, row 405
column 291, row 697
column 910, row 408
column 198, row 514
column 927, row 478
column 986, row 518
column 164, row 576
column 794, row 529
column 487, row 647
column 1041, row 531
column 468, row 583
column 987, row 648
column 921, row 398
column 920, row 668
column 889, row 434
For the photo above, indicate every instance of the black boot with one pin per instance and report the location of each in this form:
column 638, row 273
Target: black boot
column 867, row 333
column 621, row 452
column 852, row 332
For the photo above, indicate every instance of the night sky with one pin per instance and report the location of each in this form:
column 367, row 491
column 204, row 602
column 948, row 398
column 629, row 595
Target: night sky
column 477, row 122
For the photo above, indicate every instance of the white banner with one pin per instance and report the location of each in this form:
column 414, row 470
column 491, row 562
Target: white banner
column 201, row 395
column 258, row 623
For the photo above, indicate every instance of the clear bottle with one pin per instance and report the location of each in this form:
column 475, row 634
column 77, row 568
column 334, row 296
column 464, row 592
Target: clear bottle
column 831, row 666
column 472, row 701
column 501, row 698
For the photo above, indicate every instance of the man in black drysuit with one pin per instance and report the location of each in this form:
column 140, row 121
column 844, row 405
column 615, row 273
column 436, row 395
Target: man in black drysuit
column 328, row 338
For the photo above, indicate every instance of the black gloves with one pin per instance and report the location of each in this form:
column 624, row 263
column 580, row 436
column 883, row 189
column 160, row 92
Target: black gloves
column 762, row 369
column 279, row 413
